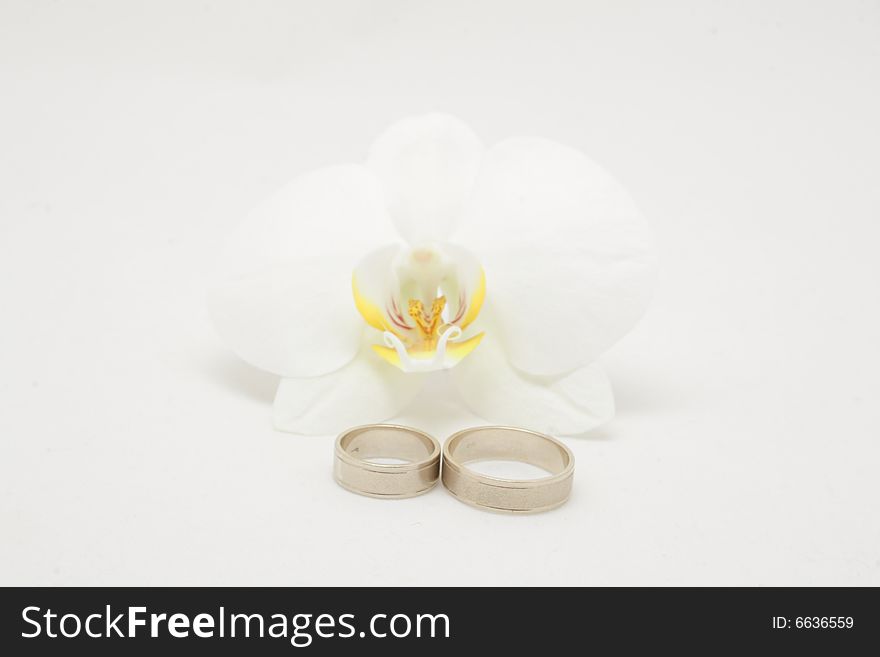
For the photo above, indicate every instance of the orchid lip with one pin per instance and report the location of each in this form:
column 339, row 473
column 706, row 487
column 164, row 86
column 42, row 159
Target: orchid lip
column 437, row 362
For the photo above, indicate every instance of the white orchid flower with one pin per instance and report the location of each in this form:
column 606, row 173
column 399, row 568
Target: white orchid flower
column 512, row 267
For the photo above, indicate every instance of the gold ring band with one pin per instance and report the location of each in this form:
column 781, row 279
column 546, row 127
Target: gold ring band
column 507, row 444
column 356, row 469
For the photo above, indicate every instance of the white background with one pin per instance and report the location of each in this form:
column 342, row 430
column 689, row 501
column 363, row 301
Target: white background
column 135, row 449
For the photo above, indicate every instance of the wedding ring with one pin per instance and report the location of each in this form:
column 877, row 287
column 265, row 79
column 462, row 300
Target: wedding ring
column 359, row 451
column 507, row 444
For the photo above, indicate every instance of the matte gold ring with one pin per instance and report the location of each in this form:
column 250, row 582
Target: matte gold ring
column 415, row 471
column 507, row 444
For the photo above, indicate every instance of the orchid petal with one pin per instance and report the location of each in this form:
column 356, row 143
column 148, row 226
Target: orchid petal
column 427, row 165
column 568, row 404
column 465, row 290
column 374, row 287
column 282, row 301
column 569, row 258
column 364, row 391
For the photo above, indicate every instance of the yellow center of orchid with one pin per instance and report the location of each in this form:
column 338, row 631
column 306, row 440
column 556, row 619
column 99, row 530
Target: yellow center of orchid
column 428, row 323
column 421, row 280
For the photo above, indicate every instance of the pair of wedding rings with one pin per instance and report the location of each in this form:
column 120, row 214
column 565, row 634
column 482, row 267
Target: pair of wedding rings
column 417, row 457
